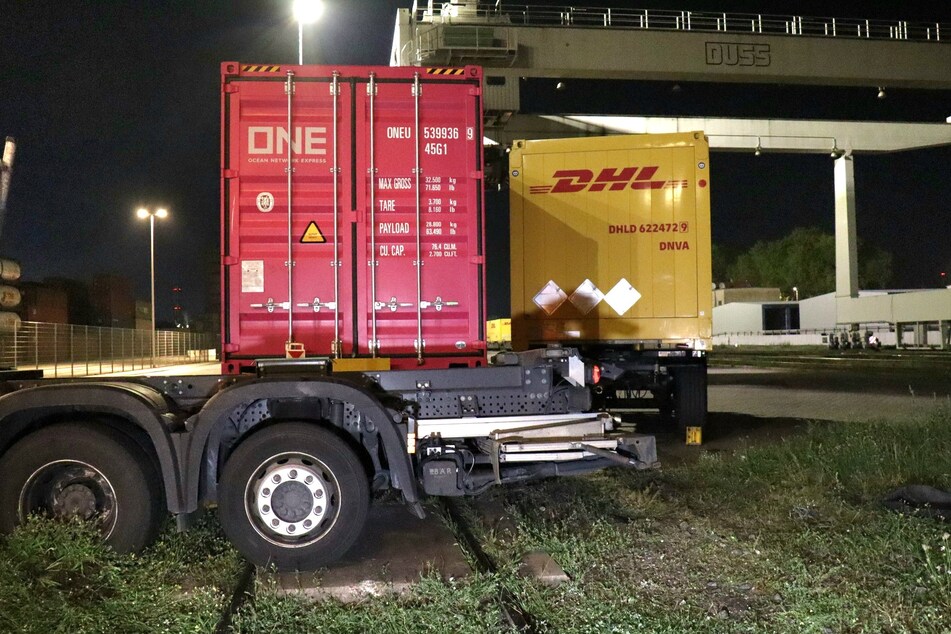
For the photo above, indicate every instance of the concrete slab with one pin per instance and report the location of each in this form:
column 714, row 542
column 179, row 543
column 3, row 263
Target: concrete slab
column 395, row 551
column 539, row 565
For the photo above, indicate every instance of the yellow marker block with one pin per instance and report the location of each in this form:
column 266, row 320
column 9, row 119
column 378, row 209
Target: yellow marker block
column 694, row 435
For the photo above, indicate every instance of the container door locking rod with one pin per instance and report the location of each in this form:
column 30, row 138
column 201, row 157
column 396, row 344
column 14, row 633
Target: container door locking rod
column 371, row 171
column 417, row 90
column 290, row 256
column 335, row 174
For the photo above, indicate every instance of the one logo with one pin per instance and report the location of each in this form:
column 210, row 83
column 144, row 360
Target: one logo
column 734, row 54
column 273, row 140
column 610, row 178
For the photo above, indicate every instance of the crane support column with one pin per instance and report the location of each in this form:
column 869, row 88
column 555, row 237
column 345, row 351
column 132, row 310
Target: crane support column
column 846, row 244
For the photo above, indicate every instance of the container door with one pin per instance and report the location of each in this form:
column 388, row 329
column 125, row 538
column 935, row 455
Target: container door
column 283, row 236
column 420, row 238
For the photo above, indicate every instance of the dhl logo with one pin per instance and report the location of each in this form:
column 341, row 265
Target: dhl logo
column 610, row 178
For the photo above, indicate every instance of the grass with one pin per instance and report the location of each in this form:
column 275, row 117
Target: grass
column 785, row 537
column 58, row 577
column 782, row 538
column 433, row 606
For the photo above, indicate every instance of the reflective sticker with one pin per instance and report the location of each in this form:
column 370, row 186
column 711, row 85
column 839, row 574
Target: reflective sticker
column 622, row 297
column 586, row 297
column 550, row 297
column 252, row 276
column 265, row 202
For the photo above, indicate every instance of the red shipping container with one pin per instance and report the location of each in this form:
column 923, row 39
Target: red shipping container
column 381, row 217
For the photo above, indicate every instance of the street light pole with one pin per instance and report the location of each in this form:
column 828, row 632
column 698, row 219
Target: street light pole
column 151, row 215
column 152, row 278
column 305, row 12
column 300, row 43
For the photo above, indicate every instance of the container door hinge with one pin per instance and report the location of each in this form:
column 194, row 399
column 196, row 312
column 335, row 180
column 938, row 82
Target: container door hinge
column 229, row 173
column 229, row 88
column 475, row 91
column 229, row 260
column 477, row 259
column 232, row 347
column 477, row 175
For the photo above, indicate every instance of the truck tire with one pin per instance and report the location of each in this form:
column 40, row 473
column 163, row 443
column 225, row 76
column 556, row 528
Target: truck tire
column 690, row 397
column 294, row 496
column 83, row 470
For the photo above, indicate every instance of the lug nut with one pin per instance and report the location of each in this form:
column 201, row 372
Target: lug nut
column 293, row 474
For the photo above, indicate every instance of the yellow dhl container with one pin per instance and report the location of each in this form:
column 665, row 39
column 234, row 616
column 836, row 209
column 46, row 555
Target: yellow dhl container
column 499, row 333
column 611, row 240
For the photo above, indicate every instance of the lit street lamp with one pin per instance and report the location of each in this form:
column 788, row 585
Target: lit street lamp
column 305, row 12
column 152, row 215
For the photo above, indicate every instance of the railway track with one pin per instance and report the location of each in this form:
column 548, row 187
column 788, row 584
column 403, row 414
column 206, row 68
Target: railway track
column 513, row 614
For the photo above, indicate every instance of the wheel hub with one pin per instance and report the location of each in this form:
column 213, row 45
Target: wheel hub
column 291, row 499
column 69, row 488
column 75, row 500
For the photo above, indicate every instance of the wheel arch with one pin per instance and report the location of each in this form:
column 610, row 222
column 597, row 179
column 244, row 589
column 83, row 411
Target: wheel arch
column 134, row 409
column 208, row 424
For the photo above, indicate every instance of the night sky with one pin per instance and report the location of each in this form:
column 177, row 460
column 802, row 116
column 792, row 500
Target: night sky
column 116, row 105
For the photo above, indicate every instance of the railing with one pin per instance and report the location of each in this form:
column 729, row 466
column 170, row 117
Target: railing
column 63, row 350
column 660, row 19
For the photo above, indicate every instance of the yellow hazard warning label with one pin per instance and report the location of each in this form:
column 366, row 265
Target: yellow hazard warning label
column 312, row 234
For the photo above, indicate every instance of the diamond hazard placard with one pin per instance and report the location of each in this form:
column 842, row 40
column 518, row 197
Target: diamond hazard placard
column 622, row 297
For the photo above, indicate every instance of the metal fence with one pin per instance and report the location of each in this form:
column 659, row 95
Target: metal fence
column 64, row 350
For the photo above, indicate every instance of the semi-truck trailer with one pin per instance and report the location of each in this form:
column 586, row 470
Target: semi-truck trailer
column 353, row 343
column 610, row 254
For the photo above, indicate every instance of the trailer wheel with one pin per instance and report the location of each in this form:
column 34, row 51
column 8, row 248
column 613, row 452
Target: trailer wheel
column 690, row 397
column 293, row 495
column 80, row 470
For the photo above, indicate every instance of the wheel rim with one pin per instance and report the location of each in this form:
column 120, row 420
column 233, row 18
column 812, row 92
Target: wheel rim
column 292, row 499
column 70, row 488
